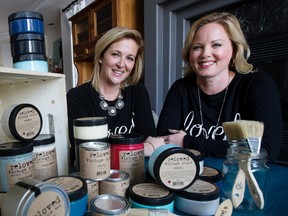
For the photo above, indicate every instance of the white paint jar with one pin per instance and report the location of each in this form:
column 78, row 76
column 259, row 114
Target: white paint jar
column 173, row 167
column 117, row 183
column 22, row 122
column 44, row 154
column 32, row 197
column 16, row 163
column 202, row 198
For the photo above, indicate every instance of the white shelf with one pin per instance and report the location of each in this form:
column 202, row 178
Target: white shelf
column 46, row 91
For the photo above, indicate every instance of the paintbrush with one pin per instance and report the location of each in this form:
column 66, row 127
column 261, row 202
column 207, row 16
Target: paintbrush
column 252, row 132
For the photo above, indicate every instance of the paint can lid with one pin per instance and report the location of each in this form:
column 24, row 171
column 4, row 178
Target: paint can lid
column 15, row 148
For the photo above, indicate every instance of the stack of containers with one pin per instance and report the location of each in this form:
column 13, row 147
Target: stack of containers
column 27, row 41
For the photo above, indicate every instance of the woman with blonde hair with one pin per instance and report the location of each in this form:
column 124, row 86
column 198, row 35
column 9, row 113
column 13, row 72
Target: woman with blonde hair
column 114, row 90
column 219, row 85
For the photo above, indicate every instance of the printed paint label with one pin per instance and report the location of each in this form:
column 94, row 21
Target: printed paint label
column 47, row 204
column 177, row 170
column 150, row 190
column 28, row 122
column 94, row 164
column 45, row 164
column 92, row 189
column 19, row 171
column 114, row 187
column 69, row 184
column 200, row 186
column 208, row 171
column 133, row 163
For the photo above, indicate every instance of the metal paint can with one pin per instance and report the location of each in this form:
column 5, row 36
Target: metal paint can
column 117, row 183
column 109, row 204
column 32, row 197
column 94, row 160
column 127, row 154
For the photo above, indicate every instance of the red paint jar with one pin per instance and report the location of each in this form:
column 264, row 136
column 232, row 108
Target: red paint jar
column 127, row 154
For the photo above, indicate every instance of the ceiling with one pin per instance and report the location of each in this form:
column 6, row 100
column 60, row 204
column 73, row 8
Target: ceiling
column 50, row 9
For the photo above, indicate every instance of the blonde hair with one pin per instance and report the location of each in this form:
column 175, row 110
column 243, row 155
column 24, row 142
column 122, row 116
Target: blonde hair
column 114, row 35
column 241, row 51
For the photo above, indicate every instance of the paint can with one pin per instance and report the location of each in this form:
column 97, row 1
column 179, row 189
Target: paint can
column 127, row 154
column 173, row 167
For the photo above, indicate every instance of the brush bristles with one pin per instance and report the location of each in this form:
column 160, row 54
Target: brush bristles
column 243, row 129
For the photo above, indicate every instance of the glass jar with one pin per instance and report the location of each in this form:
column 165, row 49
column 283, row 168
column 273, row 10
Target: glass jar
column 239, row 157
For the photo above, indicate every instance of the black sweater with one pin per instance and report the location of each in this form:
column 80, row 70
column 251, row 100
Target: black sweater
column 252, row 96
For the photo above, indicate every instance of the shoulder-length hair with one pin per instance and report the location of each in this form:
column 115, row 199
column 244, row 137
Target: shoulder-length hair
column 114, row 35
column 241, row 51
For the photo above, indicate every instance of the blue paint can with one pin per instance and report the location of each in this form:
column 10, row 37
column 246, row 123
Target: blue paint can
column 76, row 189
column 151, row 196
column 173, row 167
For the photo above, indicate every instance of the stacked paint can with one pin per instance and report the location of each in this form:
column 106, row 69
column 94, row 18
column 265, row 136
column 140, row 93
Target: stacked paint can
column 26, row 30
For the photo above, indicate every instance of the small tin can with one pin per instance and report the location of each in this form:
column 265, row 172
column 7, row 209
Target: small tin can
column 151, row 196
column 127, row 154
column 22, row 122
column 173, row 167
column 202, row 198
column 94, row 160
column 44, row 153
column 76, row 189
column 109, row 204
column 117, row 183
column 32, row 197
column 16, row 163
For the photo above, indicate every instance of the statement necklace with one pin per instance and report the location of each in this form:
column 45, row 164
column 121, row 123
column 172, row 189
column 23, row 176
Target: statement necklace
column 112, row 110
column 222, row 106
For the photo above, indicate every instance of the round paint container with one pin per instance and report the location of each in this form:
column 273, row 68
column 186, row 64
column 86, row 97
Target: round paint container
column 94, row 160
column 25, row 22
column 22, row 47
column 202, row 198
column 45, row 159
column 117, row 183
column 173, row 167
column 151, row 196
column 32, row 197
column 127, row 154
column 200, row 159
column 76, row 189
column 16, row 163
column 109, row 204
column 212, row 175
column 22, row 122
column 89, row 129
column 31, row 62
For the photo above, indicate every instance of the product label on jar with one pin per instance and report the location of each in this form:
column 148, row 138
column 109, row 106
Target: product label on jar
column 45, row 164
column 114, row 187
column 94, row 164
column 178, row 170
column 93, row 190
column 133, row 162
column 150, row 190
column 19, row 171
column 200, row 186
column 28, row 122
column 48, row 203
column 69, row 184
column 208, row 171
